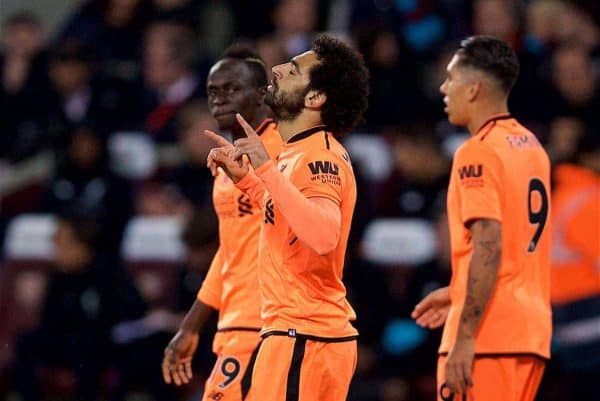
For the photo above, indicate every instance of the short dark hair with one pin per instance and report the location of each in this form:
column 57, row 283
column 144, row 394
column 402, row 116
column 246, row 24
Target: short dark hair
column 491, row 56
column 23, row 17
column 342, row 75
column 245, row 52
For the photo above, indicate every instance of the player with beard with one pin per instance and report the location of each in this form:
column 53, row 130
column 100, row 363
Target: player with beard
column 236, row 84
column 308, row 351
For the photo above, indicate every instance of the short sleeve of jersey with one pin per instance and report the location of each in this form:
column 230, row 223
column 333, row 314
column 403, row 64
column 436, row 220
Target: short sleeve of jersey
column 321, row 174
column 212, row 287
column 477, row 171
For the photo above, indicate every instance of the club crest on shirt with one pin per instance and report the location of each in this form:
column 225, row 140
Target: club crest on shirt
column 471, row 175
column 269, row 212
column 326, row 172
column 244, row 205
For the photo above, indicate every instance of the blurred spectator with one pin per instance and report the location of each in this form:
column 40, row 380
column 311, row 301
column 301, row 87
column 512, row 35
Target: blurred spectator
column 575, row 285
column 497, row 18
column 113, row 30
column 542, row 19
column 86, row 296
column 295, row 24
column 420, row 175
column 576, row 89
column 565, row 134
column 79, row 96
column 169, row 60
column 577, row 25
column 192, row 180
column 142, row 341
column 189, row 185
column 394, row 92
column 23, row 78
column 272, row 51
column 23, row 41
column 84, row 182
column 540, row 37
column 418, row 22
column 213, row 20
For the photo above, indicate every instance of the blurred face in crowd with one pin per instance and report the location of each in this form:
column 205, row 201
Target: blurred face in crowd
column 575, row 25
column 69, row 75
column 271, row 51
column 459, row 90
column 23, row 39
column 194, row 119
column 70, row 254
column 290, row 86
column 495, row 18
column 159, row 67
column 573, row 74
column 231, row 89
column 564, row 136
column 543, row 18
column 120, row 12
column 85, row 149
column 296, row 17
column 385, row 50
column 417, row 159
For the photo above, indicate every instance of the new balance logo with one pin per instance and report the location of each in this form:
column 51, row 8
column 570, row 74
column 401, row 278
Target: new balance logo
column 269, row 212
column 470, row 171
column 323, row 167
column 244, row 205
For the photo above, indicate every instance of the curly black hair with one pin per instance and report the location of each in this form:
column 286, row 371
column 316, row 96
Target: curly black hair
column 245, row 52
column 342, row 75
column 491, row 56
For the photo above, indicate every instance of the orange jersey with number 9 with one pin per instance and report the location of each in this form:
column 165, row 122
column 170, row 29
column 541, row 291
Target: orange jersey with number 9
column 503, row 173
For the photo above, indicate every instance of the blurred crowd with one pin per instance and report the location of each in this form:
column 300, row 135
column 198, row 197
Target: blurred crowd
column 100, row 125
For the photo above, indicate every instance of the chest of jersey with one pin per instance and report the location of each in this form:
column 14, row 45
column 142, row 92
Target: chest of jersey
column 229, row 201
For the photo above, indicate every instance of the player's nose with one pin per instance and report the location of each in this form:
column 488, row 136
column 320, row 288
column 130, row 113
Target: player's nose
column 443, row 88
column 276, row 70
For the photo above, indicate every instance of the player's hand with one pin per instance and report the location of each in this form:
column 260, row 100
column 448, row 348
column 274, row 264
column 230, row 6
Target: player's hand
column 433, row 310
column 251, row 145
column 459, row 366
column 223, row 157
column 177, row 360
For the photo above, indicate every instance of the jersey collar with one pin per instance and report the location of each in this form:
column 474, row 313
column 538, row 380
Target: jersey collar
column 263, row 126
column 306, row 133
column 490, row 122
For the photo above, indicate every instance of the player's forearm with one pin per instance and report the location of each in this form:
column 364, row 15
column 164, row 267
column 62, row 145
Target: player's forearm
column 196, row 317
column 252, row 186
column 483, row 270
column 315, row 221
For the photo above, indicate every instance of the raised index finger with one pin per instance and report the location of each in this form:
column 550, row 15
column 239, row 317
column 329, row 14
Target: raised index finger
column 250, row 133
column 217, row 138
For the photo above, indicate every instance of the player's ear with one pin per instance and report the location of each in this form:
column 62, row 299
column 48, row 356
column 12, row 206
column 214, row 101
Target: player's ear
column 314, row 99
column 473, row 90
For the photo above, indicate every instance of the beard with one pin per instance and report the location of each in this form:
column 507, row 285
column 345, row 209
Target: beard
column 286, row 106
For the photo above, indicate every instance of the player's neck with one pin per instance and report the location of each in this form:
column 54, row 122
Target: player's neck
column 304, row 121
column 483, row 112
